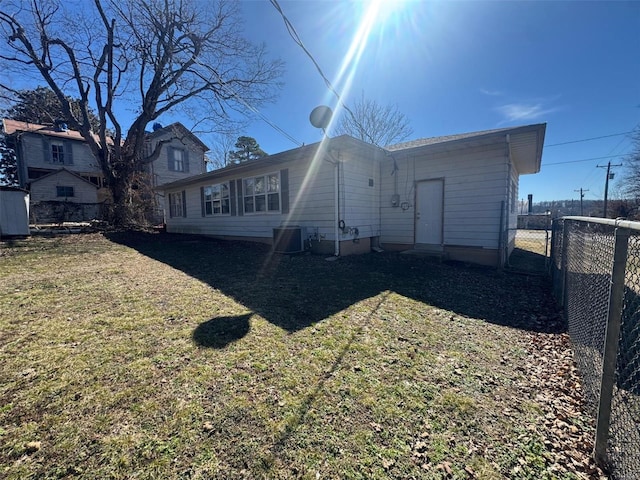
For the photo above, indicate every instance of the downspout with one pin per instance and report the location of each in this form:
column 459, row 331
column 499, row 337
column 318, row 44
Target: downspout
column 336, row 203
column 504, row 254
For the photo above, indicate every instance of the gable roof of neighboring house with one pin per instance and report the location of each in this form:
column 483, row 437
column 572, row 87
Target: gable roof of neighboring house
column 177, row 129
column 11, row 127
column 63, row 170
column 525, row 143
column 326, row 146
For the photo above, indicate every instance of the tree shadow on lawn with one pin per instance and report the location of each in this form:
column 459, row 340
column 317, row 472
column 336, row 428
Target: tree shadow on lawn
column 294, row 292
column 221, row 331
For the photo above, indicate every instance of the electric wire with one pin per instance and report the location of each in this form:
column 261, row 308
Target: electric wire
column 263, row 117
column 296, row 38
column 588, row 139
column 582, row 160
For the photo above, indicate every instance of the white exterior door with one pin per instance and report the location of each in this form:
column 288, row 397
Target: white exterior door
column 429, row 212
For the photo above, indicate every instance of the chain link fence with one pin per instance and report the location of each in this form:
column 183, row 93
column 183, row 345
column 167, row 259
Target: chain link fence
column 595, row 269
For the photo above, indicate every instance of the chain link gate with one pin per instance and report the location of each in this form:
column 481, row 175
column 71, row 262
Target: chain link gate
column 531, row 250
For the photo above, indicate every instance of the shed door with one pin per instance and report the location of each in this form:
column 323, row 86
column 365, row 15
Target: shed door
column 429, row 212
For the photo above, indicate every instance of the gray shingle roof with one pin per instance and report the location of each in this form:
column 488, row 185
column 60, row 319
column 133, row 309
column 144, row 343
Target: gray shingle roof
column 421, row 142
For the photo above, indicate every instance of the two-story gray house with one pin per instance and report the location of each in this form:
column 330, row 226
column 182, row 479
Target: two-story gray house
column 56, row 165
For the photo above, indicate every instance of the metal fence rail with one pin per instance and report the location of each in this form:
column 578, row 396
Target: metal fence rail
column 595, row 269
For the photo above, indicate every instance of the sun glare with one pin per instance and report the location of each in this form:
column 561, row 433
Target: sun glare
column 376, row 16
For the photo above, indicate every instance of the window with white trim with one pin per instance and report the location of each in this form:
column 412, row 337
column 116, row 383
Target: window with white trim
column 57, row 152
column 262, row 194
column 177, row 207
column 217, row 200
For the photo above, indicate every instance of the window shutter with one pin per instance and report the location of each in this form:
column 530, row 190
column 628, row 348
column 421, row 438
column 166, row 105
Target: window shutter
column 240, row 202
column 46, row 149
column 67, row 149
column 284, row 190
column 171, row 205
column 184, row 203
column 185, row 160
column 232, row 197
column 202, row 200
column 171, row 164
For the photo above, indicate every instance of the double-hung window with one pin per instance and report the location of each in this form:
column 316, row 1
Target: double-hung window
column 177, row 204
column 262, row 193
column 57, row 152
column 177, row 160
column 217, row 199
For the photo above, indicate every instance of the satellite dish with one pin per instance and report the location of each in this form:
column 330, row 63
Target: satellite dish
column 321, row 117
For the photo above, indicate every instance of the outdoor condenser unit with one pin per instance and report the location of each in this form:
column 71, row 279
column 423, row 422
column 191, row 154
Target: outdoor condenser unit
column 288, row 239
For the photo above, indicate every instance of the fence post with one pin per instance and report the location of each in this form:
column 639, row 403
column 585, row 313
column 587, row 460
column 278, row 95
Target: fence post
column 610, row 355
column 564, row 263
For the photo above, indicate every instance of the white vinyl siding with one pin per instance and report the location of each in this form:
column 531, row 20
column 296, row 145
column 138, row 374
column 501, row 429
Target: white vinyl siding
column 313, row 209
column 475, row 184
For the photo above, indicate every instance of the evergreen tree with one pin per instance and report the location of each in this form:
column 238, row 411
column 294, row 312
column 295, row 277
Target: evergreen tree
column 43, row 107
column 247, row 149
column 8, row 162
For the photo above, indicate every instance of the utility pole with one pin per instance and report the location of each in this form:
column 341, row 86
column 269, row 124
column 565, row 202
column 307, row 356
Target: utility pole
column 581, row 197
column 606, row 185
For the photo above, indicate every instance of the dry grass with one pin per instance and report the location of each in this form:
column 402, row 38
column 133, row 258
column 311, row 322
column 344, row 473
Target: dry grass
column 159, row 356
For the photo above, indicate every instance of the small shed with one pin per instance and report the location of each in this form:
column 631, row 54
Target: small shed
column 14, row 212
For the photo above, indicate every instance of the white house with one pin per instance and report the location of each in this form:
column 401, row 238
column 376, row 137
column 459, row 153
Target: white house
column 455, row 195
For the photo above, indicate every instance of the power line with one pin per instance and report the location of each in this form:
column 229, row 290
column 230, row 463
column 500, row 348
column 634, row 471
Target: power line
column 582, row 160
column 588, row 139
column 227, row 88
column 296, row 38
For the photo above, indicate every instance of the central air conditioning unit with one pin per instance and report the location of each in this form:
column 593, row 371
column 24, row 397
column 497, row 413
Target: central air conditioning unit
column 288, row 239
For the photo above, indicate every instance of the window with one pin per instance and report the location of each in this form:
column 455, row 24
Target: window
column 177, row 204
column 63, row 191
column 262, row 194
column 97, row 181
column 177, row 160
column 216, row 199
column 57, row 152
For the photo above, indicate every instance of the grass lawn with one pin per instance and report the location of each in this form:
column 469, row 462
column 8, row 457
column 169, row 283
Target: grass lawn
column 158, row 356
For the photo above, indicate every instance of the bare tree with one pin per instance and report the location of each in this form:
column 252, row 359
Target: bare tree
column 374, row 123
column 631, row 181
column 220, row 151
column 149, row 57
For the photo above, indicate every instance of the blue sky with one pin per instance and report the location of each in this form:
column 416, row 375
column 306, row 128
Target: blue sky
column 454, row 67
